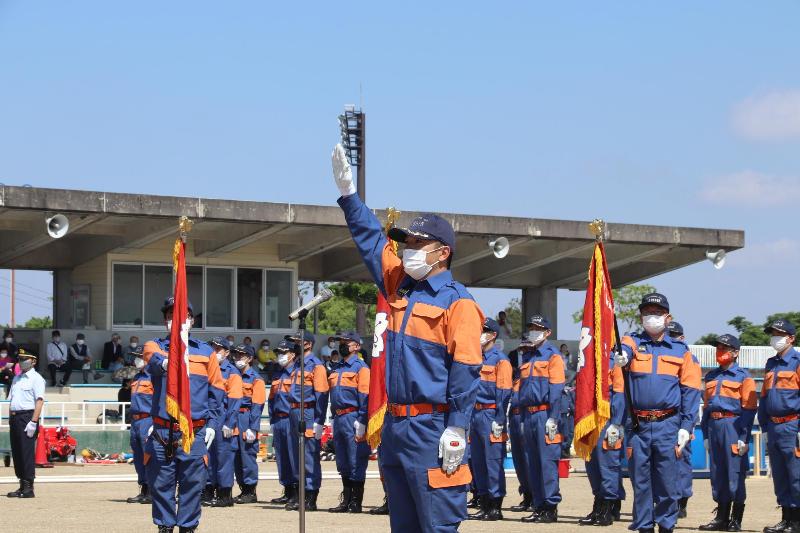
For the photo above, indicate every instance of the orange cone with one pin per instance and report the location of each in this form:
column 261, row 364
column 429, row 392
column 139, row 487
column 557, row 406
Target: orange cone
column 41, row 450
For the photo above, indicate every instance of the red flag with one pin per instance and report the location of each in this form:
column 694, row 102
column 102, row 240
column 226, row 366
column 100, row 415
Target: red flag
column 592, row 407
column 179, row 399
column 376, row 408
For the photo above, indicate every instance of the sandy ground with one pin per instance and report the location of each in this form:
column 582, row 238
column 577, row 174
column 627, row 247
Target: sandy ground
column 100, row 506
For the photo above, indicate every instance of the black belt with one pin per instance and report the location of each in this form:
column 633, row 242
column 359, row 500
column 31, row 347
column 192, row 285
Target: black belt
column 25, row 412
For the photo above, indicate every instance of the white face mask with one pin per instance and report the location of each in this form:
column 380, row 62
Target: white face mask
column 654, row 324
column 9, row 339
column 80, row 342
column 240, row 364
column 486, row 338
column 169, row 325
column 220, row 356
column 332, row 345
column 25, row 364
column 138, row 363
column 779, row 343
column 536, row 336
column 56, row 339
column 414, row 263
column 134, row 344
column 283, row 359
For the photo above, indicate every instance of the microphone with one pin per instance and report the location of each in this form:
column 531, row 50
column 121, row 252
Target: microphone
column 322, row 296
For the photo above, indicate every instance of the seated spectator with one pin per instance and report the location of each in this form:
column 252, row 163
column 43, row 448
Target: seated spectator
column 129, row 356
column 57, row 352
column 248, row 343
column 111, row 351
column 6, row 369
column 115, row 365
column 326, row 350
column 8, row 344
column 80, row 356
column 267, row 360
column 231, row 339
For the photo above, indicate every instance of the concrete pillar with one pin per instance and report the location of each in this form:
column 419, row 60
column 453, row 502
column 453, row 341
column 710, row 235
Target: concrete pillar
column 543, row 301
column 62, row 298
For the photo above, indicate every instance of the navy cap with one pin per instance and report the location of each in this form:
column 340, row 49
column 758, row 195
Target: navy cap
column 22, row 353
column 491, row 324
column 427, row 226
column 675, row 329
column 169, row 303
column 222, row 342
column 295, row 337
column 654, row 298
column 781, row 325
column 285, row 346
column 241, row 349
column 348, row 336
column 728, row 340
column 538, row 320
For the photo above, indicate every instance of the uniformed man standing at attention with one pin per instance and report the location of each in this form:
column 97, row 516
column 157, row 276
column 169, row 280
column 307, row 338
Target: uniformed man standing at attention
column 665, row 391
column 141, row 422
column 433, row 361
column 25, row 406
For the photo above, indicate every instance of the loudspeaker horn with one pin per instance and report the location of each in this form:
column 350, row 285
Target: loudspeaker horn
column 500, row 247
column 717, row 258
column 57, row 226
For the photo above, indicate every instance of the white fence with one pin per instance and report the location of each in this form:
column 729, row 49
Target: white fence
column 749, row 356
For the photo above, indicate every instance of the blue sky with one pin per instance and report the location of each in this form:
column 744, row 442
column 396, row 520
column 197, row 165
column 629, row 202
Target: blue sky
column 679, row 113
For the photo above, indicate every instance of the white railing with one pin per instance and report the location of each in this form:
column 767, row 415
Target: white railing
column 749, row 356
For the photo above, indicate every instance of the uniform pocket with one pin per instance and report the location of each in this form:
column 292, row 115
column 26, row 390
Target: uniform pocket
column 669, row 365
column 642, row 363
column 786, row 379
column 558, row 439
column 617, row 445
column 731, row 389
column 438, row 479
column 502, row 438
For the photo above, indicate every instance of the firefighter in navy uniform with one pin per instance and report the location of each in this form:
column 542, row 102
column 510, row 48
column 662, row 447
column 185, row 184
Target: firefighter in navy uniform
column 141, row 422
column 278, row 408
column 176, row 479
column 254, row 397
column 515, row 433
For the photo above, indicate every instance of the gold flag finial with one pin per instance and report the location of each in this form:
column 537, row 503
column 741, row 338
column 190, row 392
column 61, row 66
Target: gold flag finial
column 597, row 227
column 184, row 226
column 392, row 216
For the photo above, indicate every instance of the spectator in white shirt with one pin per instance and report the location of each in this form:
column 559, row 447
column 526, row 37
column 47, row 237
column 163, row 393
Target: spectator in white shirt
column 131, row 350
column 57, row 352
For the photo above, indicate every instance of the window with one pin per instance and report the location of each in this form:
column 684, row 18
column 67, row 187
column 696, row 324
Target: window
column 194, row 286
column 279, row 296
column 219, row 296
column 249, row 293
column 127, row 282
column 157, row 287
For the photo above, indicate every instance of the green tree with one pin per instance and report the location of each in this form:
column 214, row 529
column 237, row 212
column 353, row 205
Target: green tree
column 353, row 308
column 39, row 322
column 514, row 317
column 626, row 306
column 708, row 338
column 752, row 334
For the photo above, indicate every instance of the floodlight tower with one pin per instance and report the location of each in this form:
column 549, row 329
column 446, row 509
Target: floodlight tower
column 352, row 124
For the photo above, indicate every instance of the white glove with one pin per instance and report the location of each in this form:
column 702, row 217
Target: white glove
column 497, row 429
column 164, row 364
column 613, row 434
column 342, row 173
column 249, row 435
column 551, row 428
column 30, row 429
column 452, row 445
column 683, row 438
column 149, row 431
column 621, row 358
column 227, row 432
column 360, row 429
column 743, row 447
column 209, row 437
column 318, row 430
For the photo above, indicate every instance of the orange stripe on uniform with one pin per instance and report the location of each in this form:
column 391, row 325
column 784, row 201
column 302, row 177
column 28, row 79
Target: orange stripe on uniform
column 397, row 308
column 273, row 389
column 556, row 370
column 488, row 374
column 768, row 379
column 259, row 391
column 668, row 365
column 363, row 380
column 691, row 375
column 151, row 347
column 142, row 387
column 749, row 397
column 617, row 381
column 730, row 389
column 711, row 389
column 332, row 379
column 504, row 371
column 320, row 379
column 349, row 379
column 233, row 386
column 464, row 328
column 787, row 379
column 426, row 323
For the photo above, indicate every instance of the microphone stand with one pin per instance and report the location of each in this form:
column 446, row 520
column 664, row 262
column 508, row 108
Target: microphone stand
column 301, row 426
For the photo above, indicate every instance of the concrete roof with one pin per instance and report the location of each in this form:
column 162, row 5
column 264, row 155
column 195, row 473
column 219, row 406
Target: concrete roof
column 544, row 252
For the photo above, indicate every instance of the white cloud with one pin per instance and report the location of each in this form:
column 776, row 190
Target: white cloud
column 773, row 116
column 752, row 189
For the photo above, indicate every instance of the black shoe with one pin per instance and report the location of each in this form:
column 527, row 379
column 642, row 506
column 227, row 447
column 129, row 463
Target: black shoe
column 224, row 497
column 534, row 516
column 647, row 530
column 165, row 529
column 735, row 522
column 294, row 496
column 311, row 500
column 16, row 493
column 605, row 515
column 495, row 511
column 208, row 495
column 682, row 503
column 381, row 510
column 358, row 497
column 281, row 500
column 139, row 498
column 549, row 515
column 483, row 508
column 475, row 502
column 524, row 505
column 616, row 509
column 248, row 495
column 344, row 497
column 720, row 520
column 186, row 529
column 794, row 519
column 591, row 518
column 27, row 489
column 662, row 529
column 783, row 525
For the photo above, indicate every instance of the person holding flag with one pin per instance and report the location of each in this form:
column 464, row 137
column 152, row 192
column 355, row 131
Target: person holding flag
column 665, row 397
column 540, row 387
column 433, row 360
column 188, row 400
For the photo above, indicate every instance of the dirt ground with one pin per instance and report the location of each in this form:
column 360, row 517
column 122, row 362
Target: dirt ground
column 100, row 506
